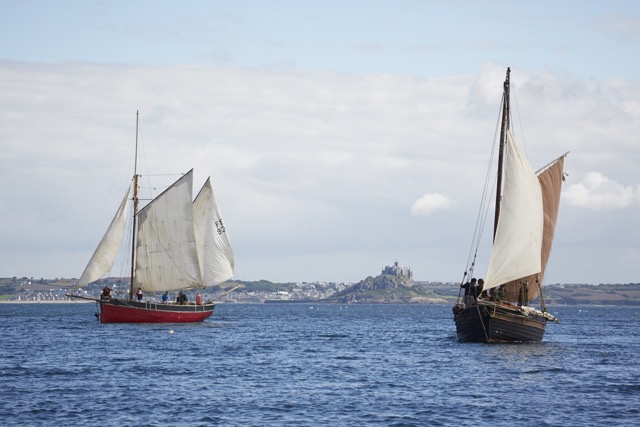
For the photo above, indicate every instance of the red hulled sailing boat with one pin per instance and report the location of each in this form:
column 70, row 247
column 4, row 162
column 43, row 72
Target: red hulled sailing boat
column 176, row 244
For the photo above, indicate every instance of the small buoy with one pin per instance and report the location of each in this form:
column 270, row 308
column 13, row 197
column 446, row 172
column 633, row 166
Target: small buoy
column 170, row 331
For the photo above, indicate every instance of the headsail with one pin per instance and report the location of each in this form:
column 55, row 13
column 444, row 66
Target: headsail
column 214, row 247
column 107, row 251
column 166, row 255
column 516, row 248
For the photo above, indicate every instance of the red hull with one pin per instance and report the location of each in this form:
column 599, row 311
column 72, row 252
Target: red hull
column 119, row 311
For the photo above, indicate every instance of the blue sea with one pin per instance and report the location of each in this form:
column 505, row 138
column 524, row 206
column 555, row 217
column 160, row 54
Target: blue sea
column 314, row 365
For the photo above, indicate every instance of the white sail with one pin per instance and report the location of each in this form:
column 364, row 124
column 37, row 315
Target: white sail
column 107, row 251
column 166, row 256
column 518, row 240
column 212, row 239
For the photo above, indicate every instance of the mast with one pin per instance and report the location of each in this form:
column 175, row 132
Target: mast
column 503, row 138
column 135, row 215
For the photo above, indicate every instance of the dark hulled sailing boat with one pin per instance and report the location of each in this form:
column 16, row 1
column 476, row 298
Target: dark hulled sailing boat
column 526, row 211
column 177, row 244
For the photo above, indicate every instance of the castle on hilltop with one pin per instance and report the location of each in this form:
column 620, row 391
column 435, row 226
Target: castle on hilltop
column 396, row 270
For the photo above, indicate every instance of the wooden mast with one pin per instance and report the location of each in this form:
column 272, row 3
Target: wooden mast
column 135, row 215
column 503, row 138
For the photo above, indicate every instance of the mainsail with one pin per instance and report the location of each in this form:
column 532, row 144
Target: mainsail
column 516, row 249
column 214, row 248
column 166, row 252
column 107, row 251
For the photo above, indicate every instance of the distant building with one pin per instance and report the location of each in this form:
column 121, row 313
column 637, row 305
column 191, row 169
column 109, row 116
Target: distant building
column 396, row 270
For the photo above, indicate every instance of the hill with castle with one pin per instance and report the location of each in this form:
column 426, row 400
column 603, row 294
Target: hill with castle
column 394, row 285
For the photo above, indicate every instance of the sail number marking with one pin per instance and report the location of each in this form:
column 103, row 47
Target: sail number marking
column 220, row 226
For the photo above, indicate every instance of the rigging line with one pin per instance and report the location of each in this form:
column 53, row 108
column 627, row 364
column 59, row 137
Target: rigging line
column 484, row 329
column 520, row 125
column 148, row 185
column 125, row 251
column 487, row 208
column 460, row 288
column 484, row 200
column 494, row 148
column 103, row 209
column 543, row 305
column 132, row 150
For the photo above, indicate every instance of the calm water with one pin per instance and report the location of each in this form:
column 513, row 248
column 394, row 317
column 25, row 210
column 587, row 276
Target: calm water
column 311, row 365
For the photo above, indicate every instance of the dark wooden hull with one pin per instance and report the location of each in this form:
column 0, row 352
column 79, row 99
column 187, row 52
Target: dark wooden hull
column 494, row 322
column 124, row 311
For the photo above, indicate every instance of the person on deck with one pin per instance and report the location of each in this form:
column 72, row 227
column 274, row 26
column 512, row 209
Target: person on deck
column 469, row 292
column 165, row 297
column 182, row 298
column 198, row 299
column 139, row 294
column 477, row 290
column 501, row 295
column 106, row 293
column 523, row 294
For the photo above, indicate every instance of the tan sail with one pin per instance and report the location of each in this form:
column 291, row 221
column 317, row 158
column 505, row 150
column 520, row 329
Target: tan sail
column 550, row 179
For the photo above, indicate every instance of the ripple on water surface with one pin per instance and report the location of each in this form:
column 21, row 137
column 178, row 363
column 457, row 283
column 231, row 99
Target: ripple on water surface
column 303, row 364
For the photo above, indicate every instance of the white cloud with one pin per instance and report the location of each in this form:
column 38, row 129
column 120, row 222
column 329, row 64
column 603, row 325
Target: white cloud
column 305, row 165
column 596, row 191
column 429, row 203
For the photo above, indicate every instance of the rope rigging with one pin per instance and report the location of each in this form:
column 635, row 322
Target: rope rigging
column 484, row 207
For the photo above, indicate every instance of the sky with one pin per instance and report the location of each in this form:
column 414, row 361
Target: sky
column 340, row 136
